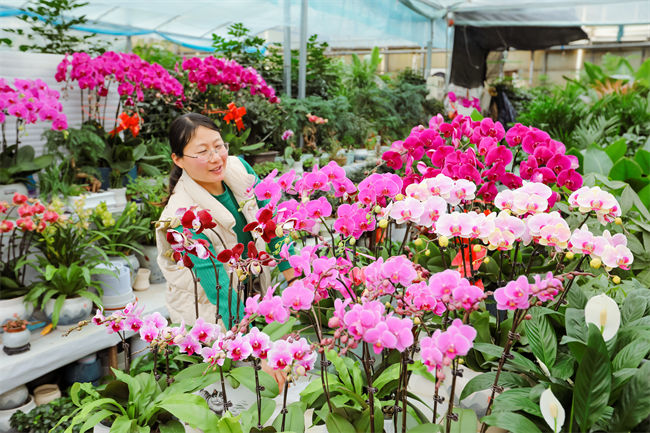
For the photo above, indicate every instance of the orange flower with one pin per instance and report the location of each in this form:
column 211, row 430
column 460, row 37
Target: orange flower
column 235, row 114
column 131, row 123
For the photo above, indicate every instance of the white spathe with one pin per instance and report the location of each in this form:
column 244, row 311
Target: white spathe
column 603, row 312
column 552, row 410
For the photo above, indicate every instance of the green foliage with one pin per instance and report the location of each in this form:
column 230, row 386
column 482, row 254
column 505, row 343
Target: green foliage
column 120, row 237
column 56, row 28
column 17, row 163
column 156, row 53
column 265, row 168
column 151, row 191
column 247, row 50
column 43, row 418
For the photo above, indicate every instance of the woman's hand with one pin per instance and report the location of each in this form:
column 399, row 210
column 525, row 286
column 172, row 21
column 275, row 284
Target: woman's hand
column 280, row 376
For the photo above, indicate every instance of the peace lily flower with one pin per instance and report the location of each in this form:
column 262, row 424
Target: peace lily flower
column 552, row 410
column 603, row 312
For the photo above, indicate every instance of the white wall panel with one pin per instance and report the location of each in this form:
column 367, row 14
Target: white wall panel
column 36, row 65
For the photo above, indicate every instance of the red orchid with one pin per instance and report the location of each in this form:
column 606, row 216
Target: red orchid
column 227, row 255
column 264, row 227
column 262, row 256
column 235, row 114
column 131, row 123
column 207, row 222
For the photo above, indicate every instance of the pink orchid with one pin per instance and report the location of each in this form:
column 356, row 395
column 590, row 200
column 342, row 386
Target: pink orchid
column 431, row 355
column 260, row 343
column 407, row 210
column 455, row 224
column 203, row 331
column 297, row 297
column 189, row 345
column 582, row 241
column 457, row 340
column 319, row 208
column 239, row 348
column 434, row 208
column 279, row 357
column 514, row 295
column 619, row 256
column 516, row 134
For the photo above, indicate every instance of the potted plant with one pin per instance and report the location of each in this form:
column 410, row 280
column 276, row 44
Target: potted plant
column 28, row 102
column 16, row 338
column 120, row 238
column 19, row 225
column 337, row 154
column 143, row 404
column 43, row 418
column 292, row 156
column 150, row 192
column 64, row 293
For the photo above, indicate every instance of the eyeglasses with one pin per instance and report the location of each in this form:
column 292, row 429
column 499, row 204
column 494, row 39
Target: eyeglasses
column 206, row 155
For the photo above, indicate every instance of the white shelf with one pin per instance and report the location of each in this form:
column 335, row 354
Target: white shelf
column 53, row 351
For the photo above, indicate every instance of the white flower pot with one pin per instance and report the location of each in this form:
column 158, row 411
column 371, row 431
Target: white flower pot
column 360, row 154
column 5, row 415
column 101, row 428
column 7, row 191
column 150, row 261
column 46, row 393
column 14, row 398
column 120, row 196
column 114, row 285
column 16, row 340
column 297, row 166
column 131, row 263
column 142, row 280
column 15, row 309
column 477, row 401
column 72, row 312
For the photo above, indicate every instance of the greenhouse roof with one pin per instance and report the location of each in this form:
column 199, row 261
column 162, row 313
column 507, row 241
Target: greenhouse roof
column 341, row 23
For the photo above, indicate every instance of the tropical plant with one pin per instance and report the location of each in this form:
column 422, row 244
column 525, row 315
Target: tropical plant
column 362, row 73
column 143, row 404
column 156, row 53
column 46, row 22
column 63, row 282
column 44, row 418
column 17, row 164
column 151, row 192
column 122, row 236
column 266, row 167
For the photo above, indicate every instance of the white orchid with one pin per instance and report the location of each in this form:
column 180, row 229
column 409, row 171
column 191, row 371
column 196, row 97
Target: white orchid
column 603, row 312
column 552, row 410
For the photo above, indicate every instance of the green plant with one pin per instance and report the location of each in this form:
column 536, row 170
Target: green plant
column 145, row 364
column 156, row 53
column 265, row 168
column 291, row 155
column 142, row 404
column 247, row 50
column 308, row 163
column 361, row 73
column 152, row 192
column 52, row 21
column 121, row 236
column 44, row 418
column 63, row 282
column 83, row 145
column 237, row 143
column 17, row 163
column 58, row 180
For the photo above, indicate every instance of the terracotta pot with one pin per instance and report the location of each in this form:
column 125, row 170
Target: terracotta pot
column 260, row 158
column 46, row 393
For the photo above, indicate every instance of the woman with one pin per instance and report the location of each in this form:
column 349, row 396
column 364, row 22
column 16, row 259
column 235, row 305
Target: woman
column 204, row 175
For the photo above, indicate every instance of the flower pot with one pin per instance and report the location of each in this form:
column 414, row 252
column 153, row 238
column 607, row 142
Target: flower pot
column 114, row 303
column 5, row 415
column 93, row 199
column 15, row 309
column 131, row 263
column 383, row 149
column 101, row 428
column 149, row 260
column 46, row 393
column 83, row 371
column 120, row 196
column 142, row 280
column 350, row 156
column 340, row 160
column 297, row 166
column 260, row 158
column 114, row 286
column 72, row 312
column 133, row 173
column 16, row 341
column 360, row 154
column 477, row 401
column 7, row 191
column 14, row 398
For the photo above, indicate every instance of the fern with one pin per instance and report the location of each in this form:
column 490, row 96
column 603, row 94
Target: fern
column 594, row 130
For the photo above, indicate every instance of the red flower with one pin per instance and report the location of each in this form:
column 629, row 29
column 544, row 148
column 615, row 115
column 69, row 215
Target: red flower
column 226, row 255
column 264, row 227
column 131, row 123
column 263, row 256
column 207, row 222
column 187, row 261
column 235, row 114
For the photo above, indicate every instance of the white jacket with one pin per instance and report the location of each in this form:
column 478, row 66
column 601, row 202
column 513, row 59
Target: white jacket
column 187, row 193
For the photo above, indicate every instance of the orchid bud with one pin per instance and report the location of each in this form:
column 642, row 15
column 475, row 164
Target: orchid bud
column 616, row 279
column 443, row 241
column 528, row 317
column 300, row 371
column 486, row 260
column 569, row 255
column 399, row 197
column 344, row 339
column 595, row 263
column 175, row 222
column 477, row 248
column 343, row 351
column 272, row 264
column 417, row 321
column 383, row 223
column 377, row 209
column 352, row 344
column 353, row 241
column 417, row 242
column 279, row 232
column 337, row 334
column 618, row 221
column 427, row 253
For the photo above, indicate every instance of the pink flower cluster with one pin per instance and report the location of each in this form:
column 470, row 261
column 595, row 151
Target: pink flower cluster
column 519, row 294
column 595, row 199
column 292, row 354
column 380, row 278
column 133, row 74
column 287, row 134
column 30, row 102
column 33, row 217
column 443, row 346
column 547, row 160
column 548, row 229
column 612, row 250
column 465, row 102
column 218, row 71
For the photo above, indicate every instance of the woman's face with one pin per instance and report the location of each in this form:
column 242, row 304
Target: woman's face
column 208, row 174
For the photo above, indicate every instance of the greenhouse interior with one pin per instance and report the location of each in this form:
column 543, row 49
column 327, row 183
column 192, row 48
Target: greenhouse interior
column 377, row 216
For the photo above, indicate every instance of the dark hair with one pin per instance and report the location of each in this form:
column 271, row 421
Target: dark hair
column 181, row 133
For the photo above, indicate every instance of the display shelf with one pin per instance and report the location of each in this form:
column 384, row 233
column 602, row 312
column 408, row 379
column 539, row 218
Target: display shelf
column 52, row 351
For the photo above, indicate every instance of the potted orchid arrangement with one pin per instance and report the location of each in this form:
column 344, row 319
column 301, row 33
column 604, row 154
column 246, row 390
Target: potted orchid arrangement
column 366, row 314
